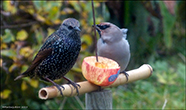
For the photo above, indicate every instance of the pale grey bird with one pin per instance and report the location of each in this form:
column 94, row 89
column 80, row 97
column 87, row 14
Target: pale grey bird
column 113, row 44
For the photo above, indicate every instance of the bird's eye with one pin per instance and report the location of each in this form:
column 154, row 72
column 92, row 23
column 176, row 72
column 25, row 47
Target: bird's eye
column 70, row 27
column 102, row 27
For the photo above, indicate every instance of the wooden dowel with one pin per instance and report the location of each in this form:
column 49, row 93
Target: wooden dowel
column 142, row 72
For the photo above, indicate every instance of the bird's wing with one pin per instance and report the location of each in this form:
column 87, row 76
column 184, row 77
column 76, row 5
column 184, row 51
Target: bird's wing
column 38, row 59
column 43, row 53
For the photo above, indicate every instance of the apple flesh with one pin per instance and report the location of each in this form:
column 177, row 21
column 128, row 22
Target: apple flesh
column 102, row 73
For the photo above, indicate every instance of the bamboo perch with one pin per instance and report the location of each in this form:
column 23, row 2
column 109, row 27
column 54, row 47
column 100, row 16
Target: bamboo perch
column 142, row 72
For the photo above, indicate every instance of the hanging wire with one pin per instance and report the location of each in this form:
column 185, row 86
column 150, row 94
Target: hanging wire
column 94, row 26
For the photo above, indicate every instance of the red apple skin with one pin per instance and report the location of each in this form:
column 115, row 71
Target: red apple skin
column 98, row 76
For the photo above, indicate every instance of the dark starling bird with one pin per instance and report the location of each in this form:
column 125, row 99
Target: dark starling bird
column 57, row 55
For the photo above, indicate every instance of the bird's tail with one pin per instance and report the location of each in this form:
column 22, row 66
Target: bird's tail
column 25, row 74
column 28, row 72
column 18, row 77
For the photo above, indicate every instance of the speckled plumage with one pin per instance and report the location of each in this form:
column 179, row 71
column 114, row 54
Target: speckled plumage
column 58, row 53
column 64, row 54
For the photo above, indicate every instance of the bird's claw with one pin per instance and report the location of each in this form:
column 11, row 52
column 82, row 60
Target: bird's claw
column 63, row 87
column 59, row 88
column 75, row 85
column 78, row 85
column 126, row 74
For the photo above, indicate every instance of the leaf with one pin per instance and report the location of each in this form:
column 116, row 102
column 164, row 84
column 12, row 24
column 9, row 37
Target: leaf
column 39, row 4
column 50, row 31
column 57, row 22
column 87, row 38
column 12, row 67
column 54, row 13
column 24, row 68
column 10, row 53
column 161, row 78
column 167, row 78
column 24, row 86
column 48, row 22
column 31, row 11
column 75, row 5
column 1, row 62
column 8, row 37
column 7, row 6
column 83, row 46
column 34, row 83
column 67, row 11
column 28, row 9
column 39, row 36
column 40, row 18
column 26, row 51
column 22, row 35
column 5, row 93
column 4, row 46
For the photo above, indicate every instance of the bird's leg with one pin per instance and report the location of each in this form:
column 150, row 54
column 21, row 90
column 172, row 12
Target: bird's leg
column 58, row 86
column 73, row 84
column 126, row 74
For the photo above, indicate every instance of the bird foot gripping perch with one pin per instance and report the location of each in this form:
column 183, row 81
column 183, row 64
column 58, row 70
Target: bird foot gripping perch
column 58, row 86
column 75, row 85
column 61, row 86
column 126, row 74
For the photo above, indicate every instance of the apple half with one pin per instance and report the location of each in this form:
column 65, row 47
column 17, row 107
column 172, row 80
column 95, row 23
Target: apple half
column 102, row 73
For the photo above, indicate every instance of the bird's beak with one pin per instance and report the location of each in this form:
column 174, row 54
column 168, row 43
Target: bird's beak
column 98, row 29
column 77, row 29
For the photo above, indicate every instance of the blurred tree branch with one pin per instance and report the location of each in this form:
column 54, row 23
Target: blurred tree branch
column 19, row 25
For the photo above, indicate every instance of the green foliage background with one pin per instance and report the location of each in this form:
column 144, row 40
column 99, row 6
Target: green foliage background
column 156, row 36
